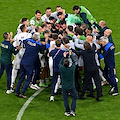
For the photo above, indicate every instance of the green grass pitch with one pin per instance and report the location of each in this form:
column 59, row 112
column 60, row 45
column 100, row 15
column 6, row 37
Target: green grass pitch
column 11, row 11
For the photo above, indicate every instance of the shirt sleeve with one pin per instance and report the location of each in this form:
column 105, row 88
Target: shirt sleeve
column 78, row 53
column 32, row 22
column 84, row 17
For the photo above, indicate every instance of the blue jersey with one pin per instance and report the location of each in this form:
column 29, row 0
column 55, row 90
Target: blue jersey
column 32, row 48
column 57, row 55
column 108, row 55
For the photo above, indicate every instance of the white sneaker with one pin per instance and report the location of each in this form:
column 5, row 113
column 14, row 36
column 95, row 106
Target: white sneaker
column 52, row 98
column 67, row 114
column 117, row 80
column 35, row 87
column 9, row 91
column 72, row 113
column 115, row 93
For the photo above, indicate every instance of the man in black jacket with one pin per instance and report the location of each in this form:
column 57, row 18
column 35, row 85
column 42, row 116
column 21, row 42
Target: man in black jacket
column 90, row 70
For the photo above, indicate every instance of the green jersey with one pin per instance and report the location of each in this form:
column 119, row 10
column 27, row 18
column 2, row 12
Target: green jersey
column 85, row 15
column 67, row 74
column 34, row 22
column 72, row 19
column 6, row 52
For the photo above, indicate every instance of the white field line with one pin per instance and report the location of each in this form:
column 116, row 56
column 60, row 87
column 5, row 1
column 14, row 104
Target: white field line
column 20, row 114
column 117, row 53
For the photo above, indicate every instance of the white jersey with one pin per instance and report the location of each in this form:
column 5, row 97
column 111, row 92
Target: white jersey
column 30, row 29
column 45, row 18
column 54, row 14
column 20, row 37
column 18, row 41
column 51, row 44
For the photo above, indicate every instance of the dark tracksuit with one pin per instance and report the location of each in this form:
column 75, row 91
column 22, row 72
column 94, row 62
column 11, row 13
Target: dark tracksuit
column 109, row 61
column 5, row 61
column 101, row 32
column 68, row 85
column 29, row 59
column 90, row 71
column 56, row 59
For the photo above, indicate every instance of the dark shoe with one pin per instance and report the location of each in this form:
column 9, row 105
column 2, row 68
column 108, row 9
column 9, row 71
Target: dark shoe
column 17, row 94
column 101, row 95
column 22, row 96
column 81, row 97
column 92, row 96
column 98, row 99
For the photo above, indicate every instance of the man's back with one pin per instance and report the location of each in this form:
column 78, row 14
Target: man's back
column 6, row 52
column 31, row 52
column 57, row 55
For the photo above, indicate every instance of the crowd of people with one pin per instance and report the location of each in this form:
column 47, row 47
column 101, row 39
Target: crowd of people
column 60, row 45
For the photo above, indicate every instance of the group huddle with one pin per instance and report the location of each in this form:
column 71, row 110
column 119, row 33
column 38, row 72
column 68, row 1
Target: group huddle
column 60, row 45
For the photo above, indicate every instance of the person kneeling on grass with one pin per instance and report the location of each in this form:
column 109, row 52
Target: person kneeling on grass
column 68, row 85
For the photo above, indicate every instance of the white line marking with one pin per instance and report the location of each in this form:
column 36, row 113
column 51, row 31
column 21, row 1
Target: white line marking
column 19, row 116
column 117, row 53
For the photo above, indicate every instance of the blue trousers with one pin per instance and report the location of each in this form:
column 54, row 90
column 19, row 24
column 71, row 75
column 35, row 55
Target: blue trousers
column 8, row 69
column 24, row 70
column 74, row 99
column 54, row 81
column 37, row 74
column 110, row 77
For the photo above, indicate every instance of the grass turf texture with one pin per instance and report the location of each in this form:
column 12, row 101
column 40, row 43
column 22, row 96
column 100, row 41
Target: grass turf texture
column 40, row 108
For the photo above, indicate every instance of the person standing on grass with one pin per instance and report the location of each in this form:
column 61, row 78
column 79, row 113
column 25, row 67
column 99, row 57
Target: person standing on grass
column 29, row 59
column 90, row 70
column 68, row 83
column 109, row 60
column 57, row 55
column 5, row 61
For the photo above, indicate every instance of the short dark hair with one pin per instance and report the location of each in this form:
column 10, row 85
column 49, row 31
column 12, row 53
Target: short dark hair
column 76, row 7
column 89, row 34
column 55, row 36
column 47, row 8
column 22, row 27
column 66, row 63
column 38, row 11
column 58, row 43
column 59, row 13
column 44, row 25
column 79, row 31
column 5, row 35
column 24, row 19
column 37, row 28
column 58, row 6
column 51, row 18
column 70, row 27
column 89, row 28
column 65, row 40
column 84, row 25
column 87, row 45
column 62, row 22
column 46, row 31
